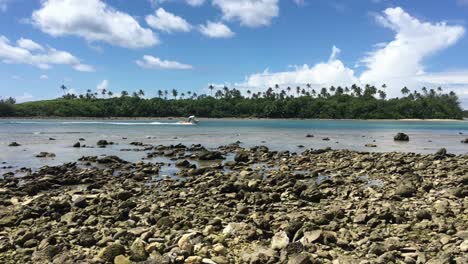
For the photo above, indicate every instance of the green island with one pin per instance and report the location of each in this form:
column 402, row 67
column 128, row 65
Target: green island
column 355, row 102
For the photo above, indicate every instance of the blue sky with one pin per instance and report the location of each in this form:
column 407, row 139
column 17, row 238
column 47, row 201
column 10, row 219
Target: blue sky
column 247, row 44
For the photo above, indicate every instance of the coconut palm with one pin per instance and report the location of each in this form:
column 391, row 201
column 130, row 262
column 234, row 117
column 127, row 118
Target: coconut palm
column 64, row 88
column 405, row 90
column 174, row 93
column 211, row 87
column 141, row 93
column 160, row 93
column 123, row 93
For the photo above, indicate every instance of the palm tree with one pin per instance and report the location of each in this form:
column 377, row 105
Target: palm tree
column 123, row 93
column 439, row 89
column 160, row 93
column 288, row 89
column 135, row 94
column 141, row 93
column 249, row 92
column 174, row 93
column 165, row 94
column 103, row 92
column 382, row 94
column 405, row 90
column 218, row 94
column 189, row 93
column 277, row 87
column 182, row 95
column 324, row 92
column 63, row 87
column 308, row 87
column 424, row 89
column 314, row 93
column 194, row 95
column 211, row 87
column 110, row 93
column 298, row 90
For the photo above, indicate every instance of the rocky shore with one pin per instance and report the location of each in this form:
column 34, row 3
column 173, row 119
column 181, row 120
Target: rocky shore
column 238, row 205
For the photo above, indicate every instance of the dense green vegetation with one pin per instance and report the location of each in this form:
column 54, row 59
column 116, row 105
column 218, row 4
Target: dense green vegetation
column 335, row 102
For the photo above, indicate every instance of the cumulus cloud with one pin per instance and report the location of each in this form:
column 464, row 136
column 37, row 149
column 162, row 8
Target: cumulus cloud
column 103, row 85
column 190, row 2
column 150, row 62
column 397, row 63
column 42, row 59
column 401, row 60
column 167, row 22
column 250, row 13
column 44, row 77
column 331, row 72
column 28, row 44
column 216, row 30
column 92, row 20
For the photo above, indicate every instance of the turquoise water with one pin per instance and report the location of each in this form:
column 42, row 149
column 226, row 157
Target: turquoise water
column 33, row 135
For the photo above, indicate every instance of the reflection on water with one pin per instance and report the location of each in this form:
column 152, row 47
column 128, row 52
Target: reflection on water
column 34, row 137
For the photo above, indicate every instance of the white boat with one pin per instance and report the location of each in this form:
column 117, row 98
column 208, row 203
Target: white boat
column 192, row 120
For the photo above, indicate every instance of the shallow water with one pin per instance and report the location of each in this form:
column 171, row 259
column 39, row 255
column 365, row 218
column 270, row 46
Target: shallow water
column 33, row 135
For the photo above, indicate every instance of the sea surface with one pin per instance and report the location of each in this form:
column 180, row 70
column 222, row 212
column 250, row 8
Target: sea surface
column 34, row 136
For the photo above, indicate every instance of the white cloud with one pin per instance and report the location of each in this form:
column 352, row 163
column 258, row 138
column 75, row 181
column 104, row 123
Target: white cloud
column 250, row 13
column 4, row 5
column 24, row 97
column 189, row 2
column 195, row 2
column 93, row 20
column 216, row 30
column 167, row 22
column 44, row 77
column 300, row 2
column 150, row 62
column 28, row 44
column 332, row 72
column 42, row 59
column 397, row 63
column 103, row 85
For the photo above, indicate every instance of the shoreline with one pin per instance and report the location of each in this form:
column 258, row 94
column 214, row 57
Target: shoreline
column 261, row 206
column 226, row 118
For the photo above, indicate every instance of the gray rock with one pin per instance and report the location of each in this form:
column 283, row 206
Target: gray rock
column 401, row 137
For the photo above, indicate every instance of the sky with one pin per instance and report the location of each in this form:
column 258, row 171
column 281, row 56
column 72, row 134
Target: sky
column 245, row 44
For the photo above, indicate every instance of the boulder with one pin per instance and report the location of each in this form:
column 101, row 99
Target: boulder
column 14, row 144
column 401, row 137
column 370, row 145
column 77, row 145
column 111, row 159
column 405, row 190
column 103, row 143
column 309, row 136
column 465, row 141
column 441, row 152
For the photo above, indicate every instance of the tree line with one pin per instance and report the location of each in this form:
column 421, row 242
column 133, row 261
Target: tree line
column 355, row 102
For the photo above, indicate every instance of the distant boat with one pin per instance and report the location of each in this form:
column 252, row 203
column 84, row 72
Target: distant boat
column 192, row 120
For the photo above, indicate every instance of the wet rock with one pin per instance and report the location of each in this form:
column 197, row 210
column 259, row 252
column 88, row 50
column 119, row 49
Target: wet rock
column 45, row 155
column 103, row 143
column 14, row 144
column 182, row 163
column 312, row 194
column 465, row 141
column 77, row 145
column 401, row 137
column 258, row 254
column 370, row 145
column 210, row 155
column 441, row 152
column 110, row 252
column 111, row 159
column 309, row 136
column 242, row 157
